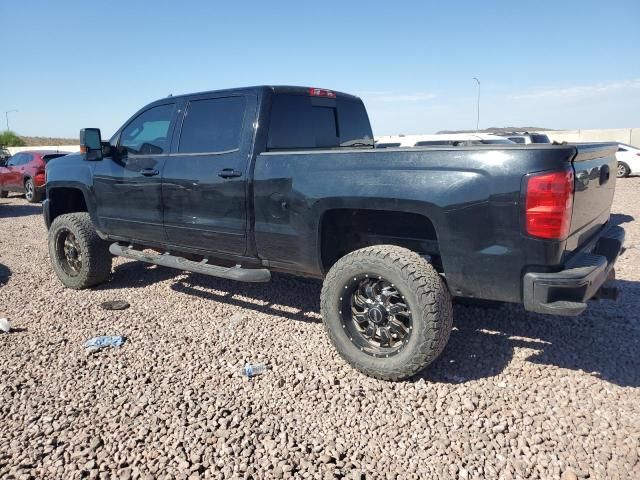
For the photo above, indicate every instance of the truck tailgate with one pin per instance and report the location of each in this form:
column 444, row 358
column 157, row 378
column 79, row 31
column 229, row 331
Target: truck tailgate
column 595, row 181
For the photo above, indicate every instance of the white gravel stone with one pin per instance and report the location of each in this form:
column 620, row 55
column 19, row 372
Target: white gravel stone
column 515, row 394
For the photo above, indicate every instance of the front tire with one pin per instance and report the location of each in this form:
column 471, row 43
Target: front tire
column 30, row 192
column 387, row 311
column 80, row 258
column 623, row 170
column 4, row 194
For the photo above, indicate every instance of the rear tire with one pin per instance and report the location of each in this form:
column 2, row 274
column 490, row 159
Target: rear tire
column 80, row 258
column 427, row 318
column 623, row 170
column 4, row 194
column 30, row 192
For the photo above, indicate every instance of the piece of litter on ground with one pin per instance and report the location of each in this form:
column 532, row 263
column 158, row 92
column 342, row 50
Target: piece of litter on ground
column 5, row 326
column 251, row 370
column 115, row 305
column 105, row 341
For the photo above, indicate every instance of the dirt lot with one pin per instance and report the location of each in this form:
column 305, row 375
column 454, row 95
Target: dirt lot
column 515, row 395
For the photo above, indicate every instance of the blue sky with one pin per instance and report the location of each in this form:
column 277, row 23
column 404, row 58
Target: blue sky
column 556, row 64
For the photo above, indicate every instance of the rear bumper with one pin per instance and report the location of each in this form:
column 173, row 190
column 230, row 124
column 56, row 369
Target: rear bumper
column 567, row 291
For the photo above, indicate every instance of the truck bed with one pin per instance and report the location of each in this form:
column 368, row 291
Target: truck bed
column 471, row 195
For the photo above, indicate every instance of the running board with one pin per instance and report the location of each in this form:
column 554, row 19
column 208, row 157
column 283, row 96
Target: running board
column 166, row 260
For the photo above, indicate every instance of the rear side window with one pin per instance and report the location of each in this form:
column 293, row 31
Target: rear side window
column 302, row 122
column 213, row 125
column 26, row 158
column 387, row 145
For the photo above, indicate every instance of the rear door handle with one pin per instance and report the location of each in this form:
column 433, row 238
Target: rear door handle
column 149, row 172
column 229, row 173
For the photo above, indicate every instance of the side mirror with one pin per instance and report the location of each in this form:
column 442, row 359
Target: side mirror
column 91, row 143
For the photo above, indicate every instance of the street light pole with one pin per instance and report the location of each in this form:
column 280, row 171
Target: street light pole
column 478, row 117
column 6, row 116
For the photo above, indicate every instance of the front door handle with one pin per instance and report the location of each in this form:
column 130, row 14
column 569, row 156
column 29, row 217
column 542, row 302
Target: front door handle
column 229, row 173
column 149, row 172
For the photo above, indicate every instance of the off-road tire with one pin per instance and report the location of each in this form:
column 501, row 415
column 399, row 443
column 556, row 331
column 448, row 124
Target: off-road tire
column 96, row 259
column 426, row 294
column 34, row 196
column 623, row 170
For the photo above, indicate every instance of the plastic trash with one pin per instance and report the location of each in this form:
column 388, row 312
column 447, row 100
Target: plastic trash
column 5, row 326
column 252, row 370
column 98, row 343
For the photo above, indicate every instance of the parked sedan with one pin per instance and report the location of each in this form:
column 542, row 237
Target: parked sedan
column 24, row 173
column 628, row 158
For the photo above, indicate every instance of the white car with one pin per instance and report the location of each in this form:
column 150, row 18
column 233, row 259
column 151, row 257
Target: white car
column 528, row 138
column 628, row 158
column 441, row 139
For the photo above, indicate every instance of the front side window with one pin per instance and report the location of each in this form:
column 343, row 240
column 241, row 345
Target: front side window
column 148, row 133
column 15, row 160
column 213, row 125
column 517, row 139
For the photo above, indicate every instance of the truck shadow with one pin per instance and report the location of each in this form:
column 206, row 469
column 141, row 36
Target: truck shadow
column 603, row 342
column 8, row 210
column 286, row 296
column 292, row 298
column 5, row 274
column 620, row 218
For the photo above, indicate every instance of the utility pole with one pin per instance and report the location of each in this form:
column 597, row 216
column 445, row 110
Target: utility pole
column 478, row 117
column 6, row 116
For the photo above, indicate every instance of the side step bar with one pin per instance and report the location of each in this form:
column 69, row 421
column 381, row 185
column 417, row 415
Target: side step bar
column 166, row 260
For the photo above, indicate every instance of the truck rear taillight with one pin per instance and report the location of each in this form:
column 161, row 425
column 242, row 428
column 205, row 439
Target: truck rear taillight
column 548, row 205
column 321, row 92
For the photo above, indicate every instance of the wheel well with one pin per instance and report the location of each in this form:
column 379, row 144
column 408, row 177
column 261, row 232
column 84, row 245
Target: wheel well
column 66, row 200
column 346, row 230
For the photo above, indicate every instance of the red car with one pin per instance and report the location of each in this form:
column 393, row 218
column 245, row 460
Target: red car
column 24, row 173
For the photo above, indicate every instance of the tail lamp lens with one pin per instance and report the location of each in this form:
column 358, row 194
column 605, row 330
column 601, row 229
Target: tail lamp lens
column 549, row 203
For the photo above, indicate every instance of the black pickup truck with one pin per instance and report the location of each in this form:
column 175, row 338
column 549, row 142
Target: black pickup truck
column 239, row 183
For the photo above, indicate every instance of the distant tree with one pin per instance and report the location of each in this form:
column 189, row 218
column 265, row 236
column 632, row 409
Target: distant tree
column 10, row 139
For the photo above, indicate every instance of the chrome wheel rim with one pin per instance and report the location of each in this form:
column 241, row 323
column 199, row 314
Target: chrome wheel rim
column 69, row 253
column 28, row 190
column 621, row 170
column 375, row 315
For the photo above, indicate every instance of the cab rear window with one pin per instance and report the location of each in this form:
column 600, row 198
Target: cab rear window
column 304, row 122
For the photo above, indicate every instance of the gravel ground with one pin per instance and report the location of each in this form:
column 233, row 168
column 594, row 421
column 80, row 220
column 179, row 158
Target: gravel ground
column 515, row 395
